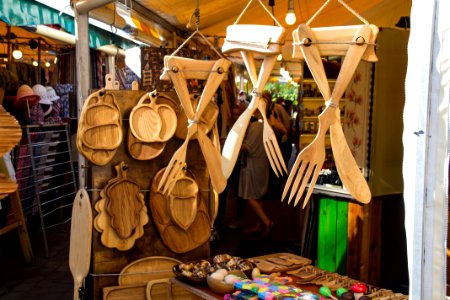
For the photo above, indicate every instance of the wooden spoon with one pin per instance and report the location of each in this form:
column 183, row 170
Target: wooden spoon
column 236, row 135
column 80, row 240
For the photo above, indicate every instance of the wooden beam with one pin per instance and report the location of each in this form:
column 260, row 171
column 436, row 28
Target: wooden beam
column 84, row 7
column 83, row 73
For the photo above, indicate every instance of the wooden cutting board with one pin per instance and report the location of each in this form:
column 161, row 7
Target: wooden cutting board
column 141, row 150
column 129, row 292
column 99, row 128
column 183, row 202
column 279, row 262
column 174, row 237
column 80, row 240
column 101, row 122
column 10, row 131
column 121, row 212
column 123, row 202
column 146, row 269
column 152, row 122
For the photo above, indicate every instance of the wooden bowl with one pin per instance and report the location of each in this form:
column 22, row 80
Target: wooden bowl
column 220, row 286
column 190, row 279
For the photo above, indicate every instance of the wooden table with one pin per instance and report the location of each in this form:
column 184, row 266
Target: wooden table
column 204, row 292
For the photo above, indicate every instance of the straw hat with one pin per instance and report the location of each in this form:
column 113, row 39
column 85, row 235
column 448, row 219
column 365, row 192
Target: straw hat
column 51, row 94
column 25, row 94
column 40, row 90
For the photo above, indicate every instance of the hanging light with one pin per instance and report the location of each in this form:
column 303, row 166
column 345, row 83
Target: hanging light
column 290, row 15
column 17, row 54
column 47, row 64
column 280, row 57
column 55, row 60
column 34, row 62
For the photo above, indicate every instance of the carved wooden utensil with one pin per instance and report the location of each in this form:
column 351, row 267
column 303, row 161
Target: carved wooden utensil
column 310, row 160
column 80, row 240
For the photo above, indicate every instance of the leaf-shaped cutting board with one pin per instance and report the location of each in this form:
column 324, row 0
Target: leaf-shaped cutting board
column 122, row 212
column 123, row 202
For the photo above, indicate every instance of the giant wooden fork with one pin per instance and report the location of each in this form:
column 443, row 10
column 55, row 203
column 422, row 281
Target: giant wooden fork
column 310, row 160
column 179, row 69
column 273, row 151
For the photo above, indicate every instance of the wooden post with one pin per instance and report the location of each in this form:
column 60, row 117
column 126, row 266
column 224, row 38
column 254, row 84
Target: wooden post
column 83, row 76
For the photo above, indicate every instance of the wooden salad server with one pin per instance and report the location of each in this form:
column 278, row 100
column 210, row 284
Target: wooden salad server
column 236, row 135
column 180, row 69
column 313, row 159
column 80, row 240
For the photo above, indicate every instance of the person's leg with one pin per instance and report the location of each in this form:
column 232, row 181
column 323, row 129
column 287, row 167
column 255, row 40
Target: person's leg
column 259, row 211
column 257, row 207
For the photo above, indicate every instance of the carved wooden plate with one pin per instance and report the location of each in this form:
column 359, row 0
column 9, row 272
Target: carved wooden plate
column 141, row 150
column 146, row 269
column 152, row 122
column 175, row 238
column 101, row 122
column 183, row 202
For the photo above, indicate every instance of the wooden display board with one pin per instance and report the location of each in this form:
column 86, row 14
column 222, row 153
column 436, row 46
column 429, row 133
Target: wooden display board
column 111, row 261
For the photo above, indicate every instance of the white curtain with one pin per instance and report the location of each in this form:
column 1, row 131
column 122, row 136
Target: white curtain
column 426, row 148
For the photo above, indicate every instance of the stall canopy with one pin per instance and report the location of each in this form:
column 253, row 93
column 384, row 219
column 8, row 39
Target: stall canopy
column 29, row 13
column 217, row 15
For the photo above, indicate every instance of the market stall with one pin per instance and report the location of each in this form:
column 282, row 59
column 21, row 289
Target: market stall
column 154, row 190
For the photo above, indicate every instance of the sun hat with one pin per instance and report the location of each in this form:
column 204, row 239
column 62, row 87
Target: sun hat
column 51, row 94
column 40, row 90
column 25, row 94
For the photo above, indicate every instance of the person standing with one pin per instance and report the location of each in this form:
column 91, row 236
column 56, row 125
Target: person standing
column 254, row 174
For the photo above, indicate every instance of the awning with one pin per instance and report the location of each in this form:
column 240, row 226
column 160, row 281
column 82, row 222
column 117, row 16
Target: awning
column 29, row 13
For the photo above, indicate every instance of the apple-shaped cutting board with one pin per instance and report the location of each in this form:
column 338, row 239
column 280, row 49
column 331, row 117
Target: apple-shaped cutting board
column 152, row 122
column 140, row 150
column 121, row 211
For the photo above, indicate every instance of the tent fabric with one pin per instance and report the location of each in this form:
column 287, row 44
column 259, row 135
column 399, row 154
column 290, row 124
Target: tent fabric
column 426, row 147
column 29, row 13
column 215, row 16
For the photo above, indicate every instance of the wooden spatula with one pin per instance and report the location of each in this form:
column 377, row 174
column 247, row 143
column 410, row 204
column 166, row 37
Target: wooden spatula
column 80, row 240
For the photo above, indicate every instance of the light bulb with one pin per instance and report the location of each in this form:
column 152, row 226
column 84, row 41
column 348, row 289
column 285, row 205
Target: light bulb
column 47, row 64
column 56, row 60
column 290, row 17
column 35, row 63
column 17, row 54
column 280, row 57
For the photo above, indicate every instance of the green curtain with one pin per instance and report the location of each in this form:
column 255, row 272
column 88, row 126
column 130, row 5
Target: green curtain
column 29, row 12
